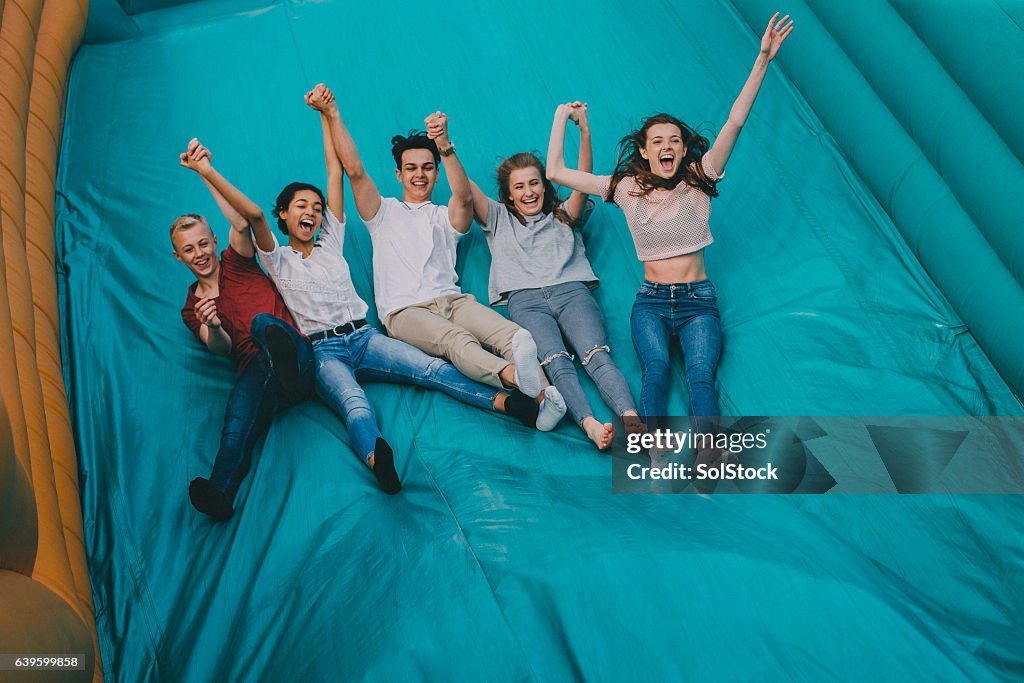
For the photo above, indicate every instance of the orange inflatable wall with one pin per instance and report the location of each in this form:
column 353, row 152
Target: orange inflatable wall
column 45, row 598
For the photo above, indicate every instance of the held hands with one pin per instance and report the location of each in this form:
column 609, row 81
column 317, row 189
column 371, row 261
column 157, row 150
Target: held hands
column 206, row 313
column 197, row 158
column 578, row 115
column 563, row 111
column 774, row 35
column 573, row 111
column 437, row 127
column 321, row 98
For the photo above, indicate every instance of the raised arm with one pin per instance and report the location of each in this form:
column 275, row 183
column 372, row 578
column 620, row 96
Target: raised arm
column 323, row 96
column 772, row 39
column 480, row 205
column 557, row 171
column 240, row 239
column 363, row 189
column 246, row 208
column 460, row 206
column 577, row 201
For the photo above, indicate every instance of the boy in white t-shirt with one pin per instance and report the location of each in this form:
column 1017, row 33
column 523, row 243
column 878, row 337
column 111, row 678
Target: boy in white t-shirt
column 415, row 283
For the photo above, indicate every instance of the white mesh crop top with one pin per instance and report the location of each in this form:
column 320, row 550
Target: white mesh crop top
column 664, row 223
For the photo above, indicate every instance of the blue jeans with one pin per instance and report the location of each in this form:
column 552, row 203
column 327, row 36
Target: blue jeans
column 366, row 354
column 690, row 311
column 254, row 400
column 568, row 310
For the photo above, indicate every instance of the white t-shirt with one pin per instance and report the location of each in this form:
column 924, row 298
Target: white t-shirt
column 318, row 290
column 413, row 254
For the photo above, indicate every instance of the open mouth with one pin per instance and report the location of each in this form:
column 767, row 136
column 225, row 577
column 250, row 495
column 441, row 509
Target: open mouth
column 200, row 263
column 419, row 183
column 306, row 224
column 666, row 161
column 531, row 202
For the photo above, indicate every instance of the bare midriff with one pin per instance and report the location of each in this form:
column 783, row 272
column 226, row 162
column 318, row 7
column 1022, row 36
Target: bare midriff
column 682, row 268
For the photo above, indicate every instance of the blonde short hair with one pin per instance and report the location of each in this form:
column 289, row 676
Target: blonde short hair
column 186, row 221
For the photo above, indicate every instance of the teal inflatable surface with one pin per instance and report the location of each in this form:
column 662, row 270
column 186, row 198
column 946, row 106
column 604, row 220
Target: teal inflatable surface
column 868, row 261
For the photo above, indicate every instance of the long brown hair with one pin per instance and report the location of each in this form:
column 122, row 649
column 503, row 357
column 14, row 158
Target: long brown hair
column 552, row 202
column 631, row 163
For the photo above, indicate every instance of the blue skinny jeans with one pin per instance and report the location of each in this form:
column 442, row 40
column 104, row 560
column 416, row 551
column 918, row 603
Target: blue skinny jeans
column 689, row 311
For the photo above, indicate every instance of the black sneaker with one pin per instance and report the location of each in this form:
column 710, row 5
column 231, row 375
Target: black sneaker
column 384, row 468
column 209, row 500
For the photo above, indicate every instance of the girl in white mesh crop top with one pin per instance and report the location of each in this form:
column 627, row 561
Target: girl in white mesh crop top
column 664, row 180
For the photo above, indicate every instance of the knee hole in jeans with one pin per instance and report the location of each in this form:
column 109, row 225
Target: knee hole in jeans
column 560, row 366
column 561, row 354
column 591, row 352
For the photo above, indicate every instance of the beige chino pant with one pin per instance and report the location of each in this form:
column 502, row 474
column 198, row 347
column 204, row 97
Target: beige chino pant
column 475, row 338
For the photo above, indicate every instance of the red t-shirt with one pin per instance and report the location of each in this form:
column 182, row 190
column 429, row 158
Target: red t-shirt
column 244, row 292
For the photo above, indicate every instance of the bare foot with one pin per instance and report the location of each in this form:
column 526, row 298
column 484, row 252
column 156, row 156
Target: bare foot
column 600, row 434
column 633, row 424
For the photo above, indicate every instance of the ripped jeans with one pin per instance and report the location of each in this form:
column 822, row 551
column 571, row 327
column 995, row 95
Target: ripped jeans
column 568, row 310
column 367, row 355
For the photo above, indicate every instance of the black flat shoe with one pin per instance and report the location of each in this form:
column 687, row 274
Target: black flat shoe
column 209, row 500
column 384, row 468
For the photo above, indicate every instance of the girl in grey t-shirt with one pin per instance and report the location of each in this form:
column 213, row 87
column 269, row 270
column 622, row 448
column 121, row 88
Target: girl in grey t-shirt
column 539, row 267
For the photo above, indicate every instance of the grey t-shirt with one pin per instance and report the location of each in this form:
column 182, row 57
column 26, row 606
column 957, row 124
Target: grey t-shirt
column 542, row 253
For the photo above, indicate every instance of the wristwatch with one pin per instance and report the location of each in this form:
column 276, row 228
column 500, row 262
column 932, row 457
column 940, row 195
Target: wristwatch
column 446, row 151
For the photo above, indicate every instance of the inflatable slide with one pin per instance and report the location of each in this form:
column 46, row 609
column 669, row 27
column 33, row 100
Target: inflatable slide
column 869, row 261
